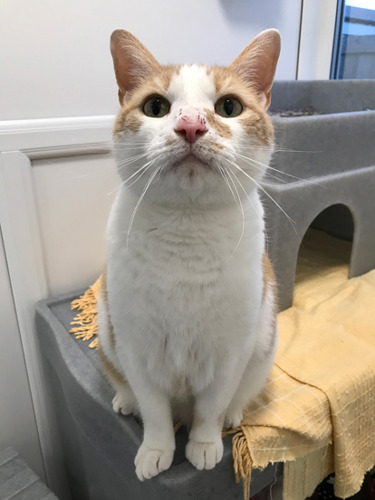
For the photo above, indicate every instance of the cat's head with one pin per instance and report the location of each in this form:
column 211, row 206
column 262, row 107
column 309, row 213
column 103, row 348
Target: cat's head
column 193, row 133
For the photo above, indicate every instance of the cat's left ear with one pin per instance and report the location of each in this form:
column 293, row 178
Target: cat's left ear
column 257, row 63
column 132, row 61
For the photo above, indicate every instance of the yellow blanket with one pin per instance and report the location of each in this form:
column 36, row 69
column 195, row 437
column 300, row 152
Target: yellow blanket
column 317, row 412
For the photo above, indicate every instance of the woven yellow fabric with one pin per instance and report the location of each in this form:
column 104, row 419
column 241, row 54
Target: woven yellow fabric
column 86, row 319
column 327, row 341
column 317, row 411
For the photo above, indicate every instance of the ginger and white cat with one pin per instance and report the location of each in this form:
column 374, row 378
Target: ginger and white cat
column 187, row 312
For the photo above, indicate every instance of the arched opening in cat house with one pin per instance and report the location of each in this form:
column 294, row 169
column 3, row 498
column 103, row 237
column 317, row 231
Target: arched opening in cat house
column 326, row 248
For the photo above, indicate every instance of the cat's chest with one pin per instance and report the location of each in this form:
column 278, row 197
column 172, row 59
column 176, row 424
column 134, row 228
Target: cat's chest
column 179, row 287
column 178, row 277
column 186, row 248
column 184, row 261
column 188, row 284
column 184, row 258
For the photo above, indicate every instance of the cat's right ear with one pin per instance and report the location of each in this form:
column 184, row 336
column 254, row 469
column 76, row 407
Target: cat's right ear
column 132, row 61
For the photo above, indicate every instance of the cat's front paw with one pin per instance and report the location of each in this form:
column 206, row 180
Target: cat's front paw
column 150, row 462
column 204, row 455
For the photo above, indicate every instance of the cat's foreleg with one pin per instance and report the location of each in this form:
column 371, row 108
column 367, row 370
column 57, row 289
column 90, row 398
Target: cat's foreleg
column 156, row 452
column 205, row 446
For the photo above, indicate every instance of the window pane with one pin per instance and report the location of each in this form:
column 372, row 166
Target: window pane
column 355, row 56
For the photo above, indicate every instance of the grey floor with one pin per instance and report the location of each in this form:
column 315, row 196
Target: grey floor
column 18, row 481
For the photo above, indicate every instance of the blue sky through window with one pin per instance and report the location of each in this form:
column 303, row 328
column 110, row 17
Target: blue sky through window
column 363, row 4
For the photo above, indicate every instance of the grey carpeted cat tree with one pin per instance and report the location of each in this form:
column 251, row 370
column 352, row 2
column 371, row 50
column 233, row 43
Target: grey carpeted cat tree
column 327, row 159
column 325, row 133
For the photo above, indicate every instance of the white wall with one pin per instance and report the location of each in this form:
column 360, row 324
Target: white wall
column 54, row 54
column 72, row 226
column 17, row 420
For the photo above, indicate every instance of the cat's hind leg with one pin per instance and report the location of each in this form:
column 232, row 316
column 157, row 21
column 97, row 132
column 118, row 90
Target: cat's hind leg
column 259, row 366
column 252, row 382
column 124, row 400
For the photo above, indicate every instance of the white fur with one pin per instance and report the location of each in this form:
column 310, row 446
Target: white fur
column 185, row 286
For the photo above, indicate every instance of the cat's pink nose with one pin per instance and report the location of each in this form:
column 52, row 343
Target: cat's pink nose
column 191, row 126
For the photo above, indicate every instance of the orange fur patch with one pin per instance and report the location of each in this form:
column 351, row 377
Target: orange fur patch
column 112, row 373
column 259, row 126
column 171, row 141
column 221, row 128
column 269, row 279
column 110, row 370
column 214, row 146
column 131, row 115
column 104, row 296
column 254, row 117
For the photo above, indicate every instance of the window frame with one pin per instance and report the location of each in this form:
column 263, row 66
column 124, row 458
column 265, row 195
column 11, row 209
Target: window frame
column 316, row 43
column 337, row 39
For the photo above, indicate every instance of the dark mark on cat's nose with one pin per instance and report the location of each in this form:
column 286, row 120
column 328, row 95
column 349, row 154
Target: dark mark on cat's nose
column 191, row 127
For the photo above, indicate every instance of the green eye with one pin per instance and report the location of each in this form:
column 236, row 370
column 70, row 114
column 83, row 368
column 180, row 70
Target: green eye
column 156, row 107
column 228, row 107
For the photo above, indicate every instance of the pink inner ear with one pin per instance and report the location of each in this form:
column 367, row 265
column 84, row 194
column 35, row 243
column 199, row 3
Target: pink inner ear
column 257, row 63
column 132, row 61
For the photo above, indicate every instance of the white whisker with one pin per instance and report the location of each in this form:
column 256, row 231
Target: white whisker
column 131, row 159
column 241, row 209
column 223, row 172
column 242, row 187
column 141, row 171
column 144, row 169
column 124, row 144
column 265, row 166
column 311, row 180
column 259, row 186
column 277, row 149
column 152, row 177
column 250, row 201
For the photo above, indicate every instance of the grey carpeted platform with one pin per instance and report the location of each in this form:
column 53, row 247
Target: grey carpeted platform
column 99, row 446
column 18, row 481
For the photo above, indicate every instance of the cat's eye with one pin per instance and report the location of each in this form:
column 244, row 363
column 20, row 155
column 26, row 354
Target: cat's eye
column 228, row 107
column 156, row 107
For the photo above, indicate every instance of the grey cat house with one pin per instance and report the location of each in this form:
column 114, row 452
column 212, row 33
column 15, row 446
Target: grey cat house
column 328, row 180
column 327, row 162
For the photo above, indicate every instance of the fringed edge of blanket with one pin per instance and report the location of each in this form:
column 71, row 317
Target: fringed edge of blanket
column 242, row 461
column 87, row 318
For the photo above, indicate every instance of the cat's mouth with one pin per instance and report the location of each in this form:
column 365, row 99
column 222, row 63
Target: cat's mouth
column 190, row 165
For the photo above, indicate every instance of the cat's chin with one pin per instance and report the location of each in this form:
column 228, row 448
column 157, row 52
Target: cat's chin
column 190, row 166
